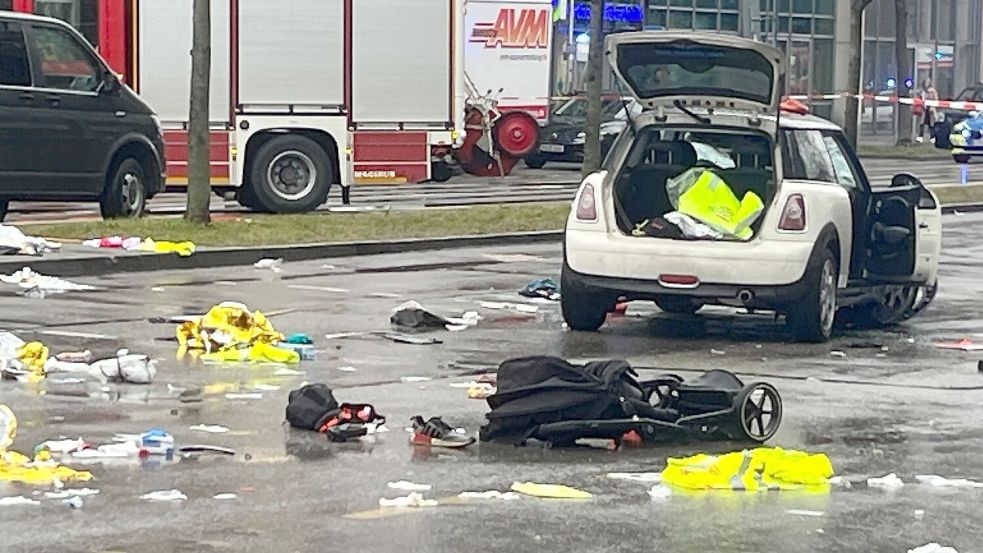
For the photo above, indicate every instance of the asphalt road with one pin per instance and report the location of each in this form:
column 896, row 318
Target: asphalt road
column 556, row 182
column 910, row 409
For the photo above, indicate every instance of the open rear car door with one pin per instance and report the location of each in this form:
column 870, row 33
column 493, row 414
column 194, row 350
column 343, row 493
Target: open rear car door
column 676, row 70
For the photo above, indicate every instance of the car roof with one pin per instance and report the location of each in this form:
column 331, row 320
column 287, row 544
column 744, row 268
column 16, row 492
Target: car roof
column 31, row 17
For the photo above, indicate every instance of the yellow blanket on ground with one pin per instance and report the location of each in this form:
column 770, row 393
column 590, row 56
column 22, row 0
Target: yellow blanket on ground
column 16, row 467
column 749, row 470
column 230, row 332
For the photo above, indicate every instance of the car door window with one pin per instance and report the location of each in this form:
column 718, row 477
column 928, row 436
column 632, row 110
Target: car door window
column 65, row 63
column 809, row 158
column 15, row 69
column 845, row 174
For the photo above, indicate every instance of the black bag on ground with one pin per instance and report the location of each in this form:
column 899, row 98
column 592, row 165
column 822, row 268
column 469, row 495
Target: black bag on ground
column 310, row 407
column 533, row 391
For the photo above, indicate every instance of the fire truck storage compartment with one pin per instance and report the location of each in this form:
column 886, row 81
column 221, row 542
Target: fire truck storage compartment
column 165, row 76
column 292, row 54
column 392, row 84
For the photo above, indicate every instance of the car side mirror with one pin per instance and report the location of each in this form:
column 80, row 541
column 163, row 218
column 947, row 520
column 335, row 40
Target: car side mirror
column 109, row 83
column 904, row 180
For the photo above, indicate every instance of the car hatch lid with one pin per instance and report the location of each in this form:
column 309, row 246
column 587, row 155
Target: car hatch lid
column 664, row 68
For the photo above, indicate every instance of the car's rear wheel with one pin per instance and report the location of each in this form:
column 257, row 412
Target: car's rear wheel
column 960, row 158
column 678, row 305
column 812, row 319
column 582, row 309
column 894, row 306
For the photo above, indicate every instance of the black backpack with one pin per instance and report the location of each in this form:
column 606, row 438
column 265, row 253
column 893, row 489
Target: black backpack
column 310, row 407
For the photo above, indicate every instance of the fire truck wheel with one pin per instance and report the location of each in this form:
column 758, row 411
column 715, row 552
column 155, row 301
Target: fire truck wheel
column 125, row 194
column 290, row 174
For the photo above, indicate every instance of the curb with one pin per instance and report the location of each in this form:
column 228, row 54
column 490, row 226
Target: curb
column 99, row 265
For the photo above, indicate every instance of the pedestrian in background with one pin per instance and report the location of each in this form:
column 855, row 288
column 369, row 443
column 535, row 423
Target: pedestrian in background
column 929, row 113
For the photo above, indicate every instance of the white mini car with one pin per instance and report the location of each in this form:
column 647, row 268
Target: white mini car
column 823, row 241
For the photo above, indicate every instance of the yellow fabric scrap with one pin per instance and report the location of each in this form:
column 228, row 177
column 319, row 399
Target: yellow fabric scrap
column 17, row 467
column 749, row 470
column 710, row 201
column 33, row 356
column 183, row 249
column 549, row 491
column 230, row 332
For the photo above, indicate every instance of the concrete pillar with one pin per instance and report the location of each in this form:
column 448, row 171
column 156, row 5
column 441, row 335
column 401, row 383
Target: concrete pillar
column 965, row 61
column 841, row 37
column 750, row 24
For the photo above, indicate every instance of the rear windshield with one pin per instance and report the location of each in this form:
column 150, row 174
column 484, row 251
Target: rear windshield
column 689, row 68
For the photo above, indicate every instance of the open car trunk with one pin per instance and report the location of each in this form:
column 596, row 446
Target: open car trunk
column 652, row 192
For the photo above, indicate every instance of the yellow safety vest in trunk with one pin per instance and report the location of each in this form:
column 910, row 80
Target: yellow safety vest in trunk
column 711, row 201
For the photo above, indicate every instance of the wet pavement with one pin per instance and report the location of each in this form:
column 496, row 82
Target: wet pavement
column 895, row 403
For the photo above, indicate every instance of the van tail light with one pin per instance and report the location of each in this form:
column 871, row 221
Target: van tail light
column 587, row 204
column 794, row 214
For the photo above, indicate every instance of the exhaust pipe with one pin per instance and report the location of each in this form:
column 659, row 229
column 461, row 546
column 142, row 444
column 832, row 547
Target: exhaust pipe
column 745, row 297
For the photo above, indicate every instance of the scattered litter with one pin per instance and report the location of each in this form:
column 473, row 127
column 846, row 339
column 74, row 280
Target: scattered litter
column 805, row 513
column 209, row 428
column 962, row 345
column 23, row 361
column 183, row 249
column 414, row 499
column 416, row 379
column 266, row 388
column 347, row 369
column 490, row 494
column 61, row 446
column 749, row 470
column 314, row 407
column 933, row 548
column 437, row 433
column 66, row 493
column 225, row 496
column 660, row 492
column 17, row 467
column 888, row 482
column 164, row 495
column 74, row 502
column 412, row 315
column 157, row 289
column 125, row 367
column 718, row 352
column 305, row 351
column 636, row 476
column 252, row 395
column 300, row 339
column 549, row 491
column 108, row 451
column 545, row 288
column 38, row 285
column 284, row 371
column 839, row 481
column 189, row 450
column 413, row 340
column 113, row 243
column 405, row 486
column 275, row 265
column 13, row 241
column 919, row 513
column 342, row 335
column 16, row 501
column 943, row 482
column 837, row 353
column 75, row 356
column 502, row 306
column 230, row 332
column 481, row 390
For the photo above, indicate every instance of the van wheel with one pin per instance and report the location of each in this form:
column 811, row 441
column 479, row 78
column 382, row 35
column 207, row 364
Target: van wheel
column 125, row 194
column 582, row 309
column 678, row 305
column 440, row 171
column 4, row 205
column 812, row 319
column 290, row 174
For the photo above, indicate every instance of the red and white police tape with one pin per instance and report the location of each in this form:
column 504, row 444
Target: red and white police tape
column 918, row 102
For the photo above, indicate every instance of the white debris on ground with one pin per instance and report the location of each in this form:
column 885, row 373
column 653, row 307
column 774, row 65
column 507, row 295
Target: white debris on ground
column 16, row 501
column 275, row 265
column 164, row 495
column 125, row 367
column 209, row 428
column 506, row 306
column 933, row 548
column 225, row 496
column 636, row 476
column 37, row 285
column 805, row 513
column 937, row 481
column 405, row 486
column 414, row 499
column 14, row 241
column 489, row 495
column 660, row 492
column 887, row 482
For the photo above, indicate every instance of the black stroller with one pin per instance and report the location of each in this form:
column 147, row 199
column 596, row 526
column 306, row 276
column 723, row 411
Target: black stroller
column 550, row 400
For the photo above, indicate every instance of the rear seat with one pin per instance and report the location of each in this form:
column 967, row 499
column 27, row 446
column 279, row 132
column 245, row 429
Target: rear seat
column 747, row 179
column 645, row 196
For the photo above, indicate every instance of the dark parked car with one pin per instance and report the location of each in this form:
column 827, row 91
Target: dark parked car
column 951, row 117
column 563, row 138
column 69, row 129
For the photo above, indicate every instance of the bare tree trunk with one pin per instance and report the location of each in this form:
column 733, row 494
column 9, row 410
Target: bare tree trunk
column 851, row 117
column 903, row 62
column 592, row 80
column 199, row 171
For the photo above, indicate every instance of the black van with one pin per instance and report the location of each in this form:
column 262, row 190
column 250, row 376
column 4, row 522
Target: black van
column 69, row 129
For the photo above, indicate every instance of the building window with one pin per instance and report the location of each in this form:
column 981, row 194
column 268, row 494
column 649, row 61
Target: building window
column 7, row 5
column 708, row 15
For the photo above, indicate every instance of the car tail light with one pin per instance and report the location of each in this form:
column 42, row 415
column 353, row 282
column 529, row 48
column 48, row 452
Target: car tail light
column 794, row 214
column 587, row 204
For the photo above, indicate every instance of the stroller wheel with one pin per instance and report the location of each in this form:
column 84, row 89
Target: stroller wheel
column 759, row 410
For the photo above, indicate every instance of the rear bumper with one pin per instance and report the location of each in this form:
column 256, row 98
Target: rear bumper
column 763, row 296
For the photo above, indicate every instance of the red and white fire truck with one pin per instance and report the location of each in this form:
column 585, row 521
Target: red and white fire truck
column 307, row 93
